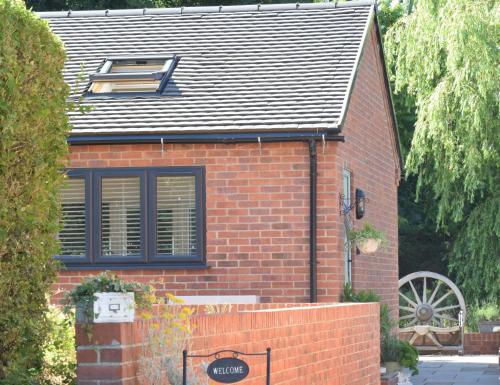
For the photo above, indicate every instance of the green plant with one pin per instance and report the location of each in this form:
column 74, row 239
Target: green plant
column 83, row 296
column 486, row 312
column 386, row 324
column 389, row 349
column 33, row 148
column 394, row 350
column 489, row 312
column 454, row 81
column 59, row 359
column 368, row 239
column 408, row 356
column 368, row 231
column 57, row 365
column 349, row 295
column 166, row 331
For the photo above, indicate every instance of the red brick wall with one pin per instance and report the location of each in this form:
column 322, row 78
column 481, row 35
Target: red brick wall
column 257, row 217
column 313, row 345
column 369, row 152
column 257, row 202
column 482, row 343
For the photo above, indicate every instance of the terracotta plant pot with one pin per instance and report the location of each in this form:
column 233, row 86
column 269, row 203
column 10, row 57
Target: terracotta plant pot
column 392, row 367
column 369, row 245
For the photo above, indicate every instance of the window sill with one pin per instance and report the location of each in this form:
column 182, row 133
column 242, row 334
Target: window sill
column 171, row 266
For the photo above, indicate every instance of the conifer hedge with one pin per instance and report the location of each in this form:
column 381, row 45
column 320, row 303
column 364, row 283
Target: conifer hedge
column 33, row 126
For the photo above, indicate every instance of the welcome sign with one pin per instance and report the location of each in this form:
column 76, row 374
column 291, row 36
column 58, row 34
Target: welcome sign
column 227, row 370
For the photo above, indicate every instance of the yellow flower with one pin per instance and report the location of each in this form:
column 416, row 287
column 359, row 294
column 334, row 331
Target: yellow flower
column 147, row 315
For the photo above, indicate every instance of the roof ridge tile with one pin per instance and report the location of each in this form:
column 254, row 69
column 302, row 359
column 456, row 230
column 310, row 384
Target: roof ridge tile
column 206, row 9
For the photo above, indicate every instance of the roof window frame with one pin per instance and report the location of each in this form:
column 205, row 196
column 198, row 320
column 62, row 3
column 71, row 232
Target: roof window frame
column 104, row 75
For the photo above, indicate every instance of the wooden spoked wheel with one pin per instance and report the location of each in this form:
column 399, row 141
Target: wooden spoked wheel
column 431, row 311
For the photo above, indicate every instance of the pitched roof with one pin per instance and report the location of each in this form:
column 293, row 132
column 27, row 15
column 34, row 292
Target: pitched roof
column 282, row 67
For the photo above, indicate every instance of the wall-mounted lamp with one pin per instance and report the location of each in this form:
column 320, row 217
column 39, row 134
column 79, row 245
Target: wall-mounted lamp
column 360, row 203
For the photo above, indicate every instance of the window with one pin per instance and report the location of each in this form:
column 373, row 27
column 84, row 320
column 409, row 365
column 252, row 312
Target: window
column 175, row 219
column 120, row 216
column 133, row 217
column 133, row 75
column 73, row 233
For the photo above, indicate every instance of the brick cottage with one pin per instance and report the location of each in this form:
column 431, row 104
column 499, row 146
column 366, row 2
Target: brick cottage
column 219, row 145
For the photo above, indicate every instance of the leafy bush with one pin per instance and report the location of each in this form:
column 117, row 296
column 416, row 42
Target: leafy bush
column 58, row 363
column 386, row 324
column 33, row 127
column 408, row 356
column 167, row 333
column 106, row 282
column 487, row 312
column 361, row 296
column 83, row 296
column 394, row 350
column 389, row 349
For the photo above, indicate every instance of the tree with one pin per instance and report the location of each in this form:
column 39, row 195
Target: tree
column 421, row 247
column 444, row 55
column 33, row 127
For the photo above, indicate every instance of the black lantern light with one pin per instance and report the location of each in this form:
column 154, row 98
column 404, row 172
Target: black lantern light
column 360, row 203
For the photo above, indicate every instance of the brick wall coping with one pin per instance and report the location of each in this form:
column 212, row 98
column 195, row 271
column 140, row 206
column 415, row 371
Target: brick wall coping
column 308, row 306
column 199, row 310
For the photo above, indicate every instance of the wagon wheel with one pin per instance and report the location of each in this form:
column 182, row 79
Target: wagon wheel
column 429, row 304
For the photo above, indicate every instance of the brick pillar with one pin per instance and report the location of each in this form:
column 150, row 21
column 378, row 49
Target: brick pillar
column 109, row 356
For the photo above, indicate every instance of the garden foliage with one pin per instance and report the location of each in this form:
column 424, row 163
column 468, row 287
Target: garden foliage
column 445, row 56
column 421, row 247
column 33, row 127
column 166, row 331
column 394, row 350
column 57, row 365
column 386, row 323
column 83, row 296
column 486, row 312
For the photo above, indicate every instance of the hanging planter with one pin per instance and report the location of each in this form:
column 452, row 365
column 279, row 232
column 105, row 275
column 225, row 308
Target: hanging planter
column 368, row 240
column 368, row 246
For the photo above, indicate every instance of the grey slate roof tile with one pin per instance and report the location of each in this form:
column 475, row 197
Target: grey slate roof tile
column 279, row 68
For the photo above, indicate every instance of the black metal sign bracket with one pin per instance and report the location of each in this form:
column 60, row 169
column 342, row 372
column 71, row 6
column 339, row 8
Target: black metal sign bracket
column 217, row 355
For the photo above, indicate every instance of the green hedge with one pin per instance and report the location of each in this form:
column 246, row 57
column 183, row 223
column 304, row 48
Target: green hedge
column 33, row 127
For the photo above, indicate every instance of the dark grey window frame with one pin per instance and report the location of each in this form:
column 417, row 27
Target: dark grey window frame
column 148, row 258
column 98, row 175
column 77, row 259
column 199, row 207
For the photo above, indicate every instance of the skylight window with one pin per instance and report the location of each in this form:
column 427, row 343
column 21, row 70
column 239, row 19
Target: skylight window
column 133, row 75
